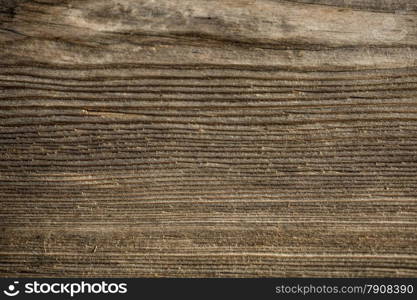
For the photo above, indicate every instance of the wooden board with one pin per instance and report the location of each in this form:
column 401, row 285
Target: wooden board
column 238, row 138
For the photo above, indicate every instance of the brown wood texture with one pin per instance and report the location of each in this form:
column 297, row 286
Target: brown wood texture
column 238, row 138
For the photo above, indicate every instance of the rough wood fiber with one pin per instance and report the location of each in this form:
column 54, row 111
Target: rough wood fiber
column 208, row 138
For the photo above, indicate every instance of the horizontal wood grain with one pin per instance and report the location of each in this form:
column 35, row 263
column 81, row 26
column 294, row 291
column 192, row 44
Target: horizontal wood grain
column 208, row 138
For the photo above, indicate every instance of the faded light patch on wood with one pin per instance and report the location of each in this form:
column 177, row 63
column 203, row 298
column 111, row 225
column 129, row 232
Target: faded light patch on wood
column 183, row 138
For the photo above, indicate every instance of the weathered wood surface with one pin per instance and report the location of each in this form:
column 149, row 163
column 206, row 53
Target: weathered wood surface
column 208, row 138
